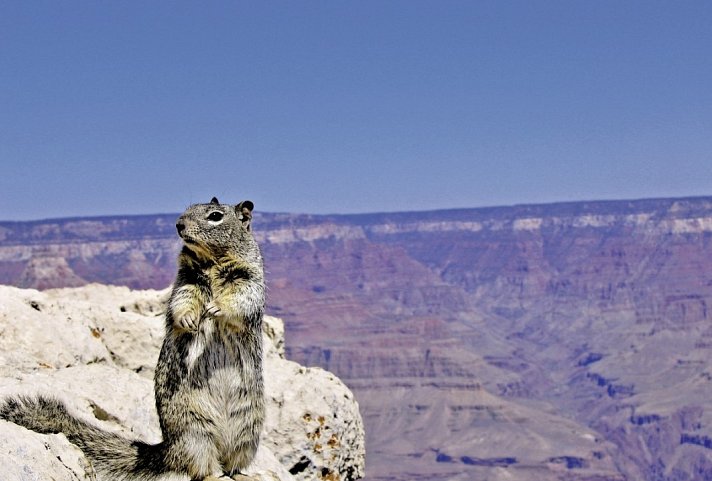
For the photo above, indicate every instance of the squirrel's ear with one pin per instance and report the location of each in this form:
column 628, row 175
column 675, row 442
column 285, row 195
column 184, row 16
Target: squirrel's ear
column 244, row 212
column 215, row 201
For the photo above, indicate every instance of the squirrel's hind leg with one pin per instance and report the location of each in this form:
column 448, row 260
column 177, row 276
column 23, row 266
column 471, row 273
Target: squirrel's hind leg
column 239, row 458
column 195, row 454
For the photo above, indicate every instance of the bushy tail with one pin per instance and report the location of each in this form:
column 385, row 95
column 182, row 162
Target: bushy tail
column 112, row 456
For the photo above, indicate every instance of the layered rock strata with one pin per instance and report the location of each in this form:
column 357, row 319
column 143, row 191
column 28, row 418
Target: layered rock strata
column 565, row 341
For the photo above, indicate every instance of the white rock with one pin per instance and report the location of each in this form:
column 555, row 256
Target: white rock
column 273, row 330
column 115, row 399
column 28, row 456
column 313, row 425
column 95, row 347
column 36, row 333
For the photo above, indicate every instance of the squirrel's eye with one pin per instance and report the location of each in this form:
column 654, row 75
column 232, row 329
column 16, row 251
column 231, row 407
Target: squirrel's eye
column 215, row 216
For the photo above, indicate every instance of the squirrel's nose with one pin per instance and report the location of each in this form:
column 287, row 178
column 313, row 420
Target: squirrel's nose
column 181, row 227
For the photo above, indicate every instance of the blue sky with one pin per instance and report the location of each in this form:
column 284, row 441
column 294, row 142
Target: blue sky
column 336, row 107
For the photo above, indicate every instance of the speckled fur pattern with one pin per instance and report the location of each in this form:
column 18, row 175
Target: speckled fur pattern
column 209, row 388
column 208, row 380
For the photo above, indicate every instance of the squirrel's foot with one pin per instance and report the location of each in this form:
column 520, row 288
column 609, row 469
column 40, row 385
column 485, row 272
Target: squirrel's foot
column 243, row 477
column 234, row 477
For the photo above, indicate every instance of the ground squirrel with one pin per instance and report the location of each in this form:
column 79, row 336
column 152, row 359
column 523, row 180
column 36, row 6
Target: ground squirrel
column 208, row 380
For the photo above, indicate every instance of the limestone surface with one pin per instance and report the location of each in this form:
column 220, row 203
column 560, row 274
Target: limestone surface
column 95, row 347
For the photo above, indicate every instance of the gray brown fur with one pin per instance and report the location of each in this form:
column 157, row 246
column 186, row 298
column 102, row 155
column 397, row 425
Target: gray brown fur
column 208, row 380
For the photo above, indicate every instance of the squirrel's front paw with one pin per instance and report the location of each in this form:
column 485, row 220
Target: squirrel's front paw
column 213, row 310
column 187, row 322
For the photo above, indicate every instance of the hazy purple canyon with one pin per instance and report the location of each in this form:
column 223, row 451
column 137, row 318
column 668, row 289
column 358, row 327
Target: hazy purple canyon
column 532, row 343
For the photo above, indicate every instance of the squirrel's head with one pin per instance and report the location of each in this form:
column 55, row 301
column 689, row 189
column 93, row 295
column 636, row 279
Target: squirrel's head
column 213, row 229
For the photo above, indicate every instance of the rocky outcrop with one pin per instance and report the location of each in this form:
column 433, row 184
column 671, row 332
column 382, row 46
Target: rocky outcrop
column 95, row 347
column 26, row 455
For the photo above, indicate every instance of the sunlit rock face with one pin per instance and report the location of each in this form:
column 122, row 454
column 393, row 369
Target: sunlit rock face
column 95, row 348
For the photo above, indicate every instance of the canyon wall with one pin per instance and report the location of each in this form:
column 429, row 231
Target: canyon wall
column 550, row 342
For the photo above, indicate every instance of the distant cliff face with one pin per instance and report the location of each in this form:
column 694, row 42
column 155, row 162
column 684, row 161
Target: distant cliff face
column 567, row 341
column 138, row 252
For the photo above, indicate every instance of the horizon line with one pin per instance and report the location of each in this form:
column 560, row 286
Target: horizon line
column 382, row 213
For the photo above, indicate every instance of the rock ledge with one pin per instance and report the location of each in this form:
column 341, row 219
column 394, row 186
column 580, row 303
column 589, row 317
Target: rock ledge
column 95, row 347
